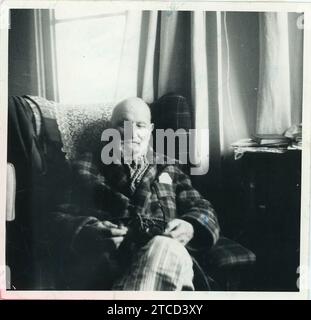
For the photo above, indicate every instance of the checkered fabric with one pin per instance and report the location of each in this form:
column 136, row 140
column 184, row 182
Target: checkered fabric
column 173, row 112
column 104, row 193
column 227, row 253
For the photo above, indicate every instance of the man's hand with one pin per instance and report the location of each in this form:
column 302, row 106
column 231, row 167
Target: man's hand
column 180, row 230
column 112, row 232
column 100, row 235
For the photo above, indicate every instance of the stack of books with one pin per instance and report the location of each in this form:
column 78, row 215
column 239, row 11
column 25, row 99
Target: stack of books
column 297, row 143
column 271, row 140
column 295, row 134
column 272, row 143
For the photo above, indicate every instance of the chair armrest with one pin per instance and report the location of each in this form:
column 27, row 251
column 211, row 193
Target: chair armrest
column 227, row 253
column 229, row 265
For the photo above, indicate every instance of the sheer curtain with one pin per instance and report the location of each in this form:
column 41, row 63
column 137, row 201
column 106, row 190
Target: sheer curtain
column 280, row 79
column 156, row 54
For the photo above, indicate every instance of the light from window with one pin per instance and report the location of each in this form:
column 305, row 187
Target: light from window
column 88, row 49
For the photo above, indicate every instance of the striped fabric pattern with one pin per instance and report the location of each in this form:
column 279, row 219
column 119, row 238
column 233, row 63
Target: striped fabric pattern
column 163, row 264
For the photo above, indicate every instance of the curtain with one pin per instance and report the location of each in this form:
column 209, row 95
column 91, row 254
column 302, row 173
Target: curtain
column 156, row 54
column 23, row 69
column 129, row 63
column 280, row 86
column 238, row 70
column 31, row 55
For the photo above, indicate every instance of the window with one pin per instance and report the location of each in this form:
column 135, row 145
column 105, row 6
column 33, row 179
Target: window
column 88, row 47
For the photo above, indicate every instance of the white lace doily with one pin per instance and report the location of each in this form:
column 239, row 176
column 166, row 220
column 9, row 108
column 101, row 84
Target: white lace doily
column 47, row 107
column 81, row 126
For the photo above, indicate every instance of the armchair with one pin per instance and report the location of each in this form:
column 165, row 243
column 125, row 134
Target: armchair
column 47, row 138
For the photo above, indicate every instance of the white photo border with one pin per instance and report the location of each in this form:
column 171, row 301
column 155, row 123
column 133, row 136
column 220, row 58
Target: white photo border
column 250, row 6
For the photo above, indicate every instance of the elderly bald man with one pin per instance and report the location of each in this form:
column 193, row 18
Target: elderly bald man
column 132, row 226
column 136, row 114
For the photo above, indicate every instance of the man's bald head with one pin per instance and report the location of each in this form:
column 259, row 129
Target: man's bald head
column 133, row 114
column 131, row 109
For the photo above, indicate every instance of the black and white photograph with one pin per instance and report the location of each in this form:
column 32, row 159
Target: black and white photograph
column 154, row 148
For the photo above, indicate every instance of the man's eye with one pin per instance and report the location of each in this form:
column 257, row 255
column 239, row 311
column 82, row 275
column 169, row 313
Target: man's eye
column 141, row 125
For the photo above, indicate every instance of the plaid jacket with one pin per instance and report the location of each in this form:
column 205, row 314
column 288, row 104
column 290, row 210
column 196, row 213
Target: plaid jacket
column 102, row 192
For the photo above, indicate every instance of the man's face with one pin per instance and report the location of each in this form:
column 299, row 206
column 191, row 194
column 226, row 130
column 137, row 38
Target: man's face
column 133, row 123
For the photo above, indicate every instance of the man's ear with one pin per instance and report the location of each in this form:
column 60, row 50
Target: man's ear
column 151, row 126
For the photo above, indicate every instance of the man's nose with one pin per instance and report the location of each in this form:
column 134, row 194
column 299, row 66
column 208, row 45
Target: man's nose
column 135, row 131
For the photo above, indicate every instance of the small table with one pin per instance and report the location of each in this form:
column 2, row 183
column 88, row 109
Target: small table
column 270, row 189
